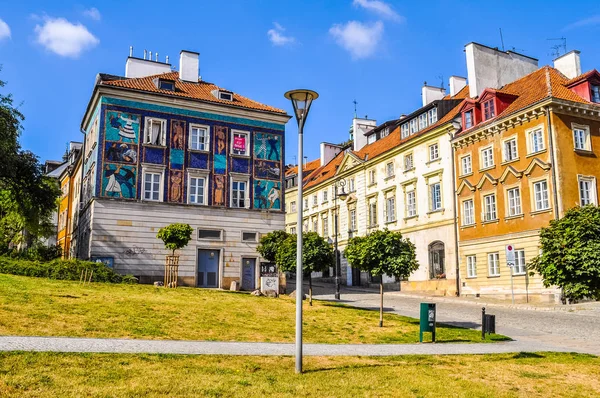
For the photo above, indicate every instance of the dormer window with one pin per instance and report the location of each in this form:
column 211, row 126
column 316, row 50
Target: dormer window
column 168, row 85
column 596, row 94
column 489, row 110
column 468, row 119
column 404, row 130
column 226, row 96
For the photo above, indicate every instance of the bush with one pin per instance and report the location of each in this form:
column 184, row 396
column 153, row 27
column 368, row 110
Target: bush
column 61, row 270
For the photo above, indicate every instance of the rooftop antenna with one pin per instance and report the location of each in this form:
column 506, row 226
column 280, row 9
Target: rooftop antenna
column 355, row 103
column 442, row 81
column 502, row 39
column 562, row 45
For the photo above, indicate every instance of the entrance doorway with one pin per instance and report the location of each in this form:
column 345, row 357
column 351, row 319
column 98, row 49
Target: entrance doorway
column 249, row 274
column 437, row 268
column 208, row 268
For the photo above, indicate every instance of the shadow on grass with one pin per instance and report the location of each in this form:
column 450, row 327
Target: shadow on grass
column 525, row 355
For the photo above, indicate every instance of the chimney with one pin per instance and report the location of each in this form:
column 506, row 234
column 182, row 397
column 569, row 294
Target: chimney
column 188, row 66
column 430, row 94
column 359, row 128
column 457, row 83
column 491, row 68
column 569, row 64
column 142, row 67
column 328, row 152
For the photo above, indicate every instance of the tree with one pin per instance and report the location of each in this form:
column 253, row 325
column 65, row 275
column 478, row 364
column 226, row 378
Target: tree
column 570, row 253
column 175, row 236
column 382, row 253
column 317, row 255
column 270, row 243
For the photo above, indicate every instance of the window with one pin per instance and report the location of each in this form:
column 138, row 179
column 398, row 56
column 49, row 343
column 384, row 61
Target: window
column 390, row 209
column 351, row 185
column 587, row 190
column 315, row 200
column 581, row 138
column 372, row 138
column 432, row 116
column 155, row 131
column 210, row 234
column 372, row 177
column 389, row 169
column 493, row 264
column 489, row 205
column 435, row 197
column 422, row 121
column 152, row 186
column 413, row 126
column 434, row 152
column 408, row 162
column 471, row 266
column 353, row 220
column 540, row 191
column 292, row 230
column 466, row 166
column 197, row 190
column 239, row 143
column 468, row 119
column 596, row 94
column 305, row 204
column 385, row 132
column 293, row 207
column 510, row 150
column 468, row 212
column 520, row 267
column 514, row 201
column 166, row 85
column 325, row 227
column 249, row 237
column 372, row 213
column 224, row 95
column 325, row 196
column 305, row 226
column 404, row 130
column 487, row 157
column 199, row 137
column 437, row 268
column 411, row 204
column 488, row 109
column 239, row 193
column 315, row 224
column 536, row 141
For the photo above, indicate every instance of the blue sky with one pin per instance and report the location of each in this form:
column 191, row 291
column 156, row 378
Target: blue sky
column 376, row 52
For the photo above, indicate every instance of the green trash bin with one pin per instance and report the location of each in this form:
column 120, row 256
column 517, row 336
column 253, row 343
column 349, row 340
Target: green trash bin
column 427, row 321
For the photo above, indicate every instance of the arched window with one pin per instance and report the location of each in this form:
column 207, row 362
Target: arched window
column 437, row 268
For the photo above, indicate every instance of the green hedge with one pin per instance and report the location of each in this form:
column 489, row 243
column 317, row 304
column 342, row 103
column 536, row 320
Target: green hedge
column 62, row 269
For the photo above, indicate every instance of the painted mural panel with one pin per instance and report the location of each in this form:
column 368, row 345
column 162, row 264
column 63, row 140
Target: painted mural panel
column 175, row 186
column 265, row 169
column 220, row 150
column 267, row 146
column 122, row 127
column 219, row 190
column 177, row 134
column 119, row 181
column 267, row 195
column 120, row 152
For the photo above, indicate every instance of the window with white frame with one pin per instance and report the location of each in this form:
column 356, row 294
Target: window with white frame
column 390, row 209
column 510, row 150
column 153, row 185
column 411, row 203
column 372, row 212
column 325, row 223
column 413, row 126
column 305, row 204
column 305, row 226
column 239, row 193
column 422, row 121
column 351, row 185
column 514, row 201
column 466, row 165
column 408, row 162
column 372, row 138
column 315, row 200
column 315, row 224
column 536, row 141
column 487, row 157
column 468, row 119
column 432, row 115
column 581, row 138
column 435, row 197
column 199, row 137
column 489, row 207
column 468, row 212
column 520, row 267
column 197, row 190
column 325, row 195
column 389, row 169
column 587, row 190
column 471, row 266
column 493, row 264
column 434, row 152
column 293, row 207
column 404, row 132
column 292, row 230
column 540, row 192
column 353, row 220
column 372, row 177
column 155, row 131
column 240, row 143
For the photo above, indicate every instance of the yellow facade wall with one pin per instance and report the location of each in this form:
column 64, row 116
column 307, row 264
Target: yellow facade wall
column 63, row 238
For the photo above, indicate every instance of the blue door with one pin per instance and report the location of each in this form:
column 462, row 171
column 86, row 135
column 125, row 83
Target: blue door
column 208, row 268
column 248, row 273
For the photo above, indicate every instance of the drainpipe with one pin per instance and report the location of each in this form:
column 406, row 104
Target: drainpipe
column 454, row 208
column 552, row 161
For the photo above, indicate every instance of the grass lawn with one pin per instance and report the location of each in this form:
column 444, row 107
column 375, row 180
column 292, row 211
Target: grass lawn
column 42, row 307
column 104, row 375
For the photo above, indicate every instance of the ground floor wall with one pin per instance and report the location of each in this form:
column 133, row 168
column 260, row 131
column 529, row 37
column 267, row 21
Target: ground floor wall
column 124, row 234
column 484, row 283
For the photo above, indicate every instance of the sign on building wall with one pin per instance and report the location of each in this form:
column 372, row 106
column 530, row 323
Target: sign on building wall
column 108, row 261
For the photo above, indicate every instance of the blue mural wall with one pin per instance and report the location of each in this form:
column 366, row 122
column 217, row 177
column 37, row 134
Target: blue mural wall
column 122, row 153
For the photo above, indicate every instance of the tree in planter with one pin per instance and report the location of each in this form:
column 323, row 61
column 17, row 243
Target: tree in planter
column 382, row 253
column 317, row 255
column 175, row 236
column 570, row 253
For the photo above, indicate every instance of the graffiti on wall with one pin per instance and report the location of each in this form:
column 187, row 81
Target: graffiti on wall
column 118, row 181
column 267, row 146
column 122, row 127
column 267, row 195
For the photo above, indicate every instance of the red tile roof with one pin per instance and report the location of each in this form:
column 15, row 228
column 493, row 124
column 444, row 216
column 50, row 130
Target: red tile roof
column 308, row 168
column 201, row 91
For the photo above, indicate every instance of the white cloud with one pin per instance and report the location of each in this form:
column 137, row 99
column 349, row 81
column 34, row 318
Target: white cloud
column 4, row 30
column 93, row 13
column 277, row 37
column 360, row 40
column 64, row 38
column 590, row 21
column 379, row 7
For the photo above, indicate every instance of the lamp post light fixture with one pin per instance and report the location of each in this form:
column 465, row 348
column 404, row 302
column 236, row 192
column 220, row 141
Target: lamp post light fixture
column 301, row 102
column 342, row 195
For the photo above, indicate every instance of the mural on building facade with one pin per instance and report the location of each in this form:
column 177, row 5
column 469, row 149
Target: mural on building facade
column 267, row 195
column 267, row 170
column 176, row 186
column 122, row 127
column 267, row 146
column 219, row 190
column 177, row 134
column 220, row 150
column 120, row 152
column 118, row 181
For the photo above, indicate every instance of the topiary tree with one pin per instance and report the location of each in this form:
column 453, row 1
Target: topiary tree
column 270, row 243
column 570, row 253
column 382, row 253
column 317, row 255
column 175, row 236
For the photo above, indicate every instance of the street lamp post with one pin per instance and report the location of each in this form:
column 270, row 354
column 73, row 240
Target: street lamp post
column 342, row 195
column 301, row 101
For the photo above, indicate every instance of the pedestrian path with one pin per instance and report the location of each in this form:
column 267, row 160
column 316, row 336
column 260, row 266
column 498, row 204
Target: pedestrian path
column 129, row 346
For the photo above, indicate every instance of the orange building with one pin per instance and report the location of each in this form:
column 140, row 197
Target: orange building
column 70, row 184
column 528, row 152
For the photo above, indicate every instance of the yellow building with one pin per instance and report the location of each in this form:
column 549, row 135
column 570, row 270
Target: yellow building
column 70, row 187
